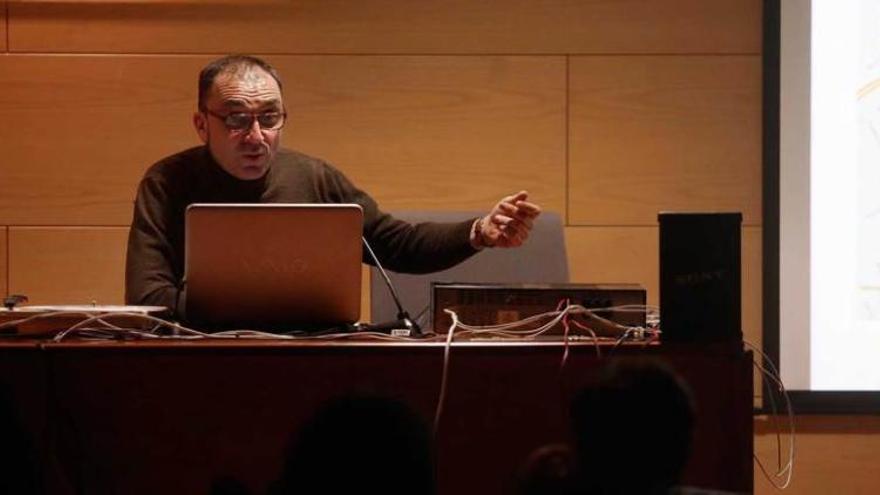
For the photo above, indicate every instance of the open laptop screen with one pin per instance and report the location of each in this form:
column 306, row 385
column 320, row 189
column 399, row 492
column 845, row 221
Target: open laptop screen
column 273, row 266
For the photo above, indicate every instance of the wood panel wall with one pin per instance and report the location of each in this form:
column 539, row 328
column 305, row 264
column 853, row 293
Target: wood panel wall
column 69, row 260
column 4, row 249
column 651, row 133
column 834, row 454
column 438, row 104
column 3, row 8
column 606, row 111
column 387, row 26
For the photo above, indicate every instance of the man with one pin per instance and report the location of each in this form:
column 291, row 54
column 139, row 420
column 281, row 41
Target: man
column 239, row 119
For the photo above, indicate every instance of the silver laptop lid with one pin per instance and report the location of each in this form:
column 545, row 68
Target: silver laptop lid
column 273, row 266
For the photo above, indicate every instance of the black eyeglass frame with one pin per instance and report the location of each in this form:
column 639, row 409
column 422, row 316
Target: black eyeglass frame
column 250, row 123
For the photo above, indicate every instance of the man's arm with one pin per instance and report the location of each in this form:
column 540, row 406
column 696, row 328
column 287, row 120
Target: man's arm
column 429, row 247
column 152, row 269
column 507, row 225
column 400, row 246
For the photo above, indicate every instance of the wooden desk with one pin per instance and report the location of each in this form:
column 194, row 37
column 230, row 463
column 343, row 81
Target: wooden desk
column 170, row 417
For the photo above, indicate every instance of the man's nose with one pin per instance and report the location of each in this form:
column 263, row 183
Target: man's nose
column 253, row 134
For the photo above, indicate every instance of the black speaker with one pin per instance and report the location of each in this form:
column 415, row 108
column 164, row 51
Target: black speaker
column 700, row 277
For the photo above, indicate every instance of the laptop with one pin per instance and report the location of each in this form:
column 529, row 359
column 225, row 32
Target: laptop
column 273, row 267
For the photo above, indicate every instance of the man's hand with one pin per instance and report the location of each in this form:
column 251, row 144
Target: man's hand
column 507, row 225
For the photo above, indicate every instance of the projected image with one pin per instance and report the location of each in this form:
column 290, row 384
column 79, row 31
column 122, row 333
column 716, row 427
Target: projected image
column 829, row 209
column 868, row 297
column 844, row 223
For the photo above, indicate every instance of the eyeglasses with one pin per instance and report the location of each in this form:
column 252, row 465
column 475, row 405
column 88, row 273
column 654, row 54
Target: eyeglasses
column 242, row 121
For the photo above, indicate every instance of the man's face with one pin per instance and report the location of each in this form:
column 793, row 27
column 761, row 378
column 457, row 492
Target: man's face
column 244, row 153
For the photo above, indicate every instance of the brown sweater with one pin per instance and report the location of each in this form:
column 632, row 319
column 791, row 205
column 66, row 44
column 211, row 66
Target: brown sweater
column 155, row 265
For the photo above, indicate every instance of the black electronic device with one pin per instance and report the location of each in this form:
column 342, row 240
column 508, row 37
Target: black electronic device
column 492, row 304
column 700, row 277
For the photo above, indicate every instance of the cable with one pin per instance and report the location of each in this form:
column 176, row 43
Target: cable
column 593, row 334
column 99, row 326
column 444, row 375
column 505, row 329
column 179, row 332
column 514, row 330
column 566, row 328
column 51, row 314
column 422, row 317
column 494, row 329
column 775, row 378
column 108, row 330
column 403, row 317
column 99, row 318
column 788, row 469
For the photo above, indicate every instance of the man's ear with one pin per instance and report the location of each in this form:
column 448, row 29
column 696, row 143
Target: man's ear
column 200, row 122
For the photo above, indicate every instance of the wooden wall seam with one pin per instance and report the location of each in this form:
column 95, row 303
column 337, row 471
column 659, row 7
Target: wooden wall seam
column 4, row 34
column 392, row 26
column 266, row 54
column 5, row 257
column 566, row 216
column 408, row 129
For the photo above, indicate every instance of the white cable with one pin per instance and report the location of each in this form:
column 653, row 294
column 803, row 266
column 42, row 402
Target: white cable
column 574, row 308
column 182, row 332
column 567, row 327
column 444, row 375
column 592, row 334
column 509, row 327
column 788, row 469
column 506, row 328
column 51, row 314
column 164, row 323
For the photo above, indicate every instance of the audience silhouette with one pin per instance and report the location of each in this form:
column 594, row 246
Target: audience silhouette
column 549, row 470
column 632, row 431
column 20, row 472
column 360, row 444
column 631, row 434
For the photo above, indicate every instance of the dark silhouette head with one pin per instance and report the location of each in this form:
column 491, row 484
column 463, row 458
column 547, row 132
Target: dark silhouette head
column 632, row 430
column 360, row 444
column 19, row 467
column 549, row 470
